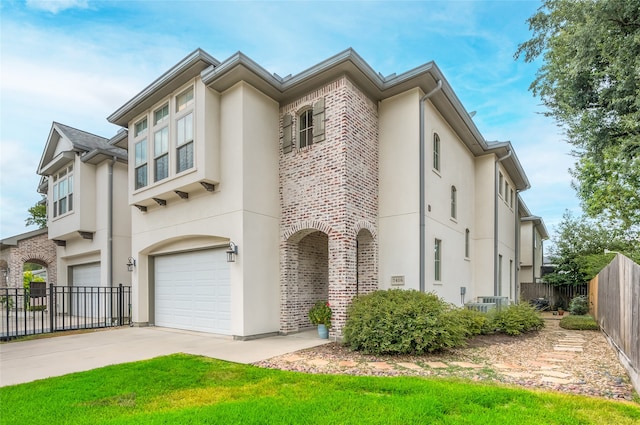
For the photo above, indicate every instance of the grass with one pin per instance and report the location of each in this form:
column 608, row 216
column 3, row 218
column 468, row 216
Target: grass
column 185, row 389
column 579, row 323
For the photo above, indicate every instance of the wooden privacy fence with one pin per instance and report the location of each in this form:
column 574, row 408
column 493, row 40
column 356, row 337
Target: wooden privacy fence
column 614, row 297
column 531, row 291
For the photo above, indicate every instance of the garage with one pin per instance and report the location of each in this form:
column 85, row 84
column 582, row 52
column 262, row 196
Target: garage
column 193, row 291
column 84, row 299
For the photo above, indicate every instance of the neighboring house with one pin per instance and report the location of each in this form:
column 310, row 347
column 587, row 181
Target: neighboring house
column 257, row 195
column 532, row 233
column 30, row 247
column 88, row 216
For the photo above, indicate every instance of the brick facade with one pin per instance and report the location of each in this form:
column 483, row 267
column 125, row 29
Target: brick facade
column 329, row 204
column 36, row 249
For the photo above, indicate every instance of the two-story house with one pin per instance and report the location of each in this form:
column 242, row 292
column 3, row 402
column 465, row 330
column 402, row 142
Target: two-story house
column 88, row 216
column 256, row 195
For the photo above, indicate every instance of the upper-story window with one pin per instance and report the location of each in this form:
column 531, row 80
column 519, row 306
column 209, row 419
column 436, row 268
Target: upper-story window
column 454, row 202
column 161, row 154
column 161, row 115
column 436, row 152
column 437, row 260
column 511, row 199
column 500, row 182
column 184, row 131
column 305, row 128
column 467, row 247
column 140, row 136
column 506, row 192
column 63, row 191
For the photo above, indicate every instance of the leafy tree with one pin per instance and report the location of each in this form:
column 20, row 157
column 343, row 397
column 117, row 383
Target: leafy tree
column 579, row 244
column 37, row 215
column 590, row 82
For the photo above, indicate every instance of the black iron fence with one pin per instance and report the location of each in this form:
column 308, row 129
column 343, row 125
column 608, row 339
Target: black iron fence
column 43, row 308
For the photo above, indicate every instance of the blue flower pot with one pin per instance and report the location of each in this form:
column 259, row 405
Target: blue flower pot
column 323, row 332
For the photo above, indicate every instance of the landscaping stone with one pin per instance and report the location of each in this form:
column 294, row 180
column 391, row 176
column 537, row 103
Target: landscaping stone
column 467, row 365
column 437, row 365
column 409, row 365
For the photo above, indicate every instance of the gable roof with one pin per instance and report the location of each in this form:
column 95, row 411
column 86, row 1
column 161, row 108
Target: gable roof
column 82, row 142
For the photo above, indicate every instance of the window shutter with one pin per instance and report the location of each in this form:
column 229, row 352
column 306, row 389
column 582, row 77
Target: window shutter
column 318, row 121
column 287, row 133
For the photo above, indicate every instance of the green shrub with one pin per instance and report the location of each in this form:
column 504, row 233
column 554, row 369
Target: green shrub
column 475, row 322
column 579, row 323
column 579, row 305
column 516, row 319
column 403, row 322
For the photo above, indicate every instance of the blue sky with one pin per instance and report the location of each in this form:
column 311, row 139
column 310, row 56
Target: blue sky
column 77, row 61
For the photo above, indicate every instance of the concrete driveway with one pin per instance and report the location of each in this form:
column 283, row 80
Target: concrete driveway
column 28, row 361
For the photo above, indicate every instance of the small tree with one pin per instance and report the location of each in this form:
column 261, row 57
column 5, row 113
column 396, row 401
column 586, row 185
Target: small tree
column 38, row 215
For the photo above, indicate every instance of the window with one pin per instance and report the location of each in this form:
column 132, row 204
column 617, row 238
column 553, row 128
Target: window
column 184, row 99
column 436, row 152
column 306, row 128
column 500, row 183
column 161, row 114
column 140, row 128
column 184, row 141
column 161, row 153
column 437, row 254
column 466, row 243
column 511, row 199
column 500, row 275
column 454, row 196
column 506, row 192
column 141, row 164
column 63, row 192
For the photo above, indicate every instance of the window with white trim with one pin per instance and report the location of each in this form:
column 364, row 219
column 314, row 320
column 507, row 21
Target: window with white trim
column 466, row 243
column 506, row 192
column 436, row 152
column 500, row 183
column 511, row 199
column 437, row 260
column 63, row 192
column 161, row 154
column 184, row 131
column 454, row 201
column 140, row 147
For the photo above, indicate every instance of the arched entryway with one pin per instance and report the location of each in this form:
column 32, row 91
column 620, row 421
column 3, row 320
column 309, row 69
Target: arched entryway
column 305, row 269
column 367, row 265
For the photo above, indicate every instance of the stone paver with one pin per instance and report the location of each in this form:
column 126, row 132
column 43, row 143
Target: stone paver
column 553, row 373
column 553, row 380
column 506, row 366
column 518, row 374
column 437, row 365
column 467, row 365
column 409, row 366
column 347, row 363
column 567, row 348
column 380, row 365
column 318, row 362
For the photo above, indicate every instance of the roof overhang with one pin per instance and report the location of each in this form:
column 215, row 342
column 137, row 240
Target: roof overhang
column 96, row 156
column 511, row 163
column 13, row 240
column 185, row 70
column 538, row 223
column 56, row 163
column 120, row 140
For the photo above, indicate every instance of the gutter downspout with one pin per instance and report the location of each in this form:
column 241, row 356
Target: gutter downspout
column 110, row 225
column 495, row 223
column 422, row 282
column 517, row 259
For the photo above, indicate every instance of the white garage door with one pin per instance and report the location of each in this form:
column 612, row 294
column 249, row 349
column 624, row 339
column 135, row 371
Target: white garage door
column 84, row 297
column 193, row 292
column 86, row 275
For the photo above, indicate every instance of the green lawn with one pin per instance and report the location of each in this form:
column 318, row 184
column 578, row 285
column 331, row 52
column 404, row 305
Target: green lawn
column 184, row 389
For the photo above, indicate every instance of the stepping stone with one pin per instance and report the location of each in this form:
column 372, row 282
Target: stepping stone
column 553, row 380
column 542, row 365
column 518, row 374
column 555, row 360
column 410, row 366
column 347, row 363
column 553, row 373
column 506, row 366
column 556, row 355
column 467, row 365
column 567, row 348
column 318, row 362
column 437, row 365
column 380, row 365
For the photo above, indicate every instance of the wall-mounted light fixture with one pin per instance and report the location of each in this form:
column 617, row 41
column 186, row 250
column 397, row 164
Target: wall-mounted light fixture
column 232, row 252
column 131, row 263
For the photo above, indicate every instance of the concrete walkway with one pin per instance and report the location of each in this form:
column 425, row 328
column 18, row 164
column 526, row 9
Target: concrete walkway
column 28, row 361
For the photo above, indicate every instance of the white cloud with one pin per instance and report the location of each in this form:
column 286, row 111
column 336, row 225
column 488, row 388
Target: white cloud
column 55, row 6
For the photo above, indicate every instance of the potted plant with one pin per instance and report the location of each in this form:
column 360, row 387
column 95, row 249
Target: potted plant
column 320, row 314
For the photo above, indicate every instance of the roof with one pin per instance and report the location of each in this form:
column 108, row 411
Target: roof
column 13, row 240
column 526, row 216
column 220, row 76
column 92, row 147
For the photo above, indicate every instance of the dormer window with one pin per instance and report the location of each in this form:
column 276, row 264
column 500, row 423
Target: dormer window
column 63, row 192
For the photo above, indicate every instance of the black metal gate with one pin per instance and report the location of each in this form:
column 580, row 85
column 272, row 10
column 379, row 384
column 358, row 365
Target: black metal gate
column 43, row 309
